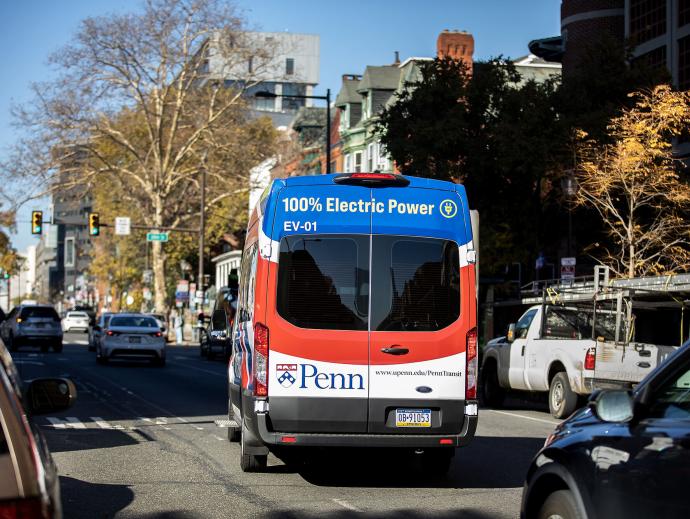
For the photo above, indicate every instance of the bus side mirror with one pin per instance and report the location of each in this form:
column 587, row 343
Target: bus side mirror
column 510, row 337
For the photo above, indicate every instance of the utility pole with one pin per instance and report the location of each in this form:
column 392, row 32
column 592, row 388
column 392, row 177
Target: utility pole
column 202, row 223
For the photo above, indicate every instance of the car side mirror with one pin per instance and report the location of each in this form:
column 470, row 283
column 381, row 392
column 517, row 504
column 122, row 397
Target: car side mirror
column 510, row 336
column 613, row 406
column 49, row 395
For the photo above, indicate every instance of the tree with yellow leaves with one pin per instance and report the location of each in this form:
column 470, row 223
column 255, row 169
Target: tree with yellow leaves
column 634, row 184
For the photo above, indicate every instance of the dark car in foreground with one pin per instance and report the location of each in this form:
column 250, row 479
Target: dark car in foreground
column 29, row 485
column 623, row 455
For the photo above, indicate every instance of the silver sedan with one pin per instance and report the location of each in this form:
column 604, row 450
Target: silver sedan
column 132, row 336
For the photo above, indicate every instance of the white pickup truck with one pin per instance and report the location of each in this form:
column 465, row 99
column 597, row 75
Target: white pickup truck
column 568, row 351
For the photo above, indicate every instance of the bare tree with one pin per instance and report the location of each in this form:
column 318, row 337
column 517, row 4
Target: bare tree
column 143, row 97
column 633, row 184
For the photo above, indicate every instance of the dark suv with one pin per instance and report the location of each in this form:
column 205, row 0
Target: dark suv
column 37, row 325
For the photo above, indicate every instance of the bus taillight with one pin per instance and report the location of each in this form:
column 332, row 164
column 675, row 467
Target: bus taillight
column 260, row 360
column 472, row 365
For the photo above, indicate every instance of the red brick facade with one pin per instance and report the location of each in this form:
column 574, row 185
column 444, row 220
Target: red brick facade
column 457, row 45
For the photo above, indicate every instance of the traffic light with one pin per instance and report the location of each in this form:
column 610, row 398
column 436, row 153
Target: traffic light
column 94, row 224
column 36, row 222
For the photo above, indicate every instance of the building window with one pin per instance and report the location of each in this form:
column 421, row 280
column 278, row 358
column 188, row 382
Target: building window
column 647, row 20
column 69, row 252
column 370, row 157
column 289, row 66
column 250, row 65
column 358, row 161
column 294, row 89
column 684, row 63
column 383, row 158
column 348, row 163
column 653, row 60
column 683, row 12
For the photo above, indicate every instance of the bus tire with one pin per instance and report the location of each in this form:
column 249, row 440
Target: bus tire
column 250, row 462
column 562, row 399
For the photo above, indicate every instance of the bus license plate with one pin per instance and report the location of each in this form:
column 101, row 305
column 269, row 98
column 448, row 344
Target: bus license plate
column 413, row 417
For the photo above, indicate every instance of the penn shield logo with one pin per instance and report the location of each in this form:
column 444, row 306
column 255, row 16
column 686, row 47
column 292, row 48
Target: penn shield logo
column 449, row 208
column 286, row 374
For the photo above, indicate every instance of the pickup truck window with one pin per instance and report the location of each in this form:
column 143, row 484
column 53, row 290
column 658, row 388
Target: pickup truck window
column 567, row 323
column 524, row 323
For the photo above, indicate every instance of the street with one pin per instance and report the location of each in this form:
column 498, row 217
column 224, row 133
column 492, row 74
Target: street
column 142, row 441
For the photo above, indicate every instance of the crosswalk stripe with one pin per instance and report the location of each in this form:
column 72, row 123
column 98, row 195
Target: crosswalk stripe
column 104, row 424
column 69, row 421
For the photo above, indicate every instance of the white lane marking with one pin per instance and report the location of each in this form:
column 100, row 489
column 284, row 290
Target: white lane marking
column 104, row 424
column 346, row 505
column 218, row 438
column 162, row 421
column 148, row 402
column 187, row 366
column 524, row 417
column 69, row 421
column 32, row 362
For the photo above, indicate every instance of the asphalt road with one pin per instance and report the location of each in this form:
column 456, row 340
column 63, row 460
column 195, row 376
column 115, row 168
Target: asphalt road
column 141, row 441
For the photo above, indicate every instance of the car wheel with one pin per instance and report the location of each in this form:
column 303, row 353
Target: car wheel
column 562, row 399
column 250, row 462
column 560, row 505
column 492, row 392
column 203, row 346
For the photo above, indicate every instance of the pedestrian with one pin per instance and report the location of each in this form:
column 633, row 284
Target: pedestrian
column 179, row 327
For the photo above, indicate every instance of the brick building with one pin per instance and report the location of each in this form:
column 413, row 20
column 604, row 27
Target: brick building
column 658, row 32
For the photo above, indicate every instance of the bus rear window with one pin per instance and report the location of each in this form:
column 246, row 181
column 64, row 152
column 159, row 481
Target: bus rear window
column 323, row 281
column 415, row 283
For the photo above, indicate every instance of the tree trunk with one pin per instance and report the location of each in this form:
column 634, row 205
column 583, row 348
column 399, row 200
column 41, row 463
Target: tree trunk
column 158, row 257
column 158, row 276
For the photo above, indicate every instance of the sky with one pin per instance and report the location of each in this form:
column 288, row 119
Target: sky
column 353, row 34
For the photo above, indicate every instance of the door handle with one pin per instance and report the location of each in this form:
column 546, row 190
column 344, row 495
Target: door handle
column 644, row 364
column 645, row 353
column 523, row 350
column 395, row 349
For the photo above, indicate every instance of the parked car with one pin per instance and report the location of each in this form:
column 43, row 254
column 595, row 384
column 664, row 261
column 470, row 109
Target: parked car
column 37, row 325
column 626, row 454
column 75, row 321
column 29, row 484
column 162, row 324
column 214, row 338
column 133, row 336
column 96, row 331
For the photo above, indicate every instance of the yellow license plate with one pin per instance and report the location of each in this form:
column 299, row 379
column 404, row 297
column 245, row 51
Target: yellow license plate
column 413, row 417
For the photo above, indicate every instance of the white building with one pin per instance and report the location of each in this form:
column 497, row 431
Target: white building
column 279, row 63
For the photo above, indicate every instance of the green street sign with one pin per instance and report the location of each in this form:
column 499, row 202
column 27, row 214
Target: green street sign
column 157, row 236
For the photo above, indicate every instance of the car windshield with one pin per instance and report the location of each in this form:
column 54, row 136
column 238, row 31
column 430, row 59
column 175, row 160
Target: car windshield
column 81, row 315
column 133, row 321
column 40, row 312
